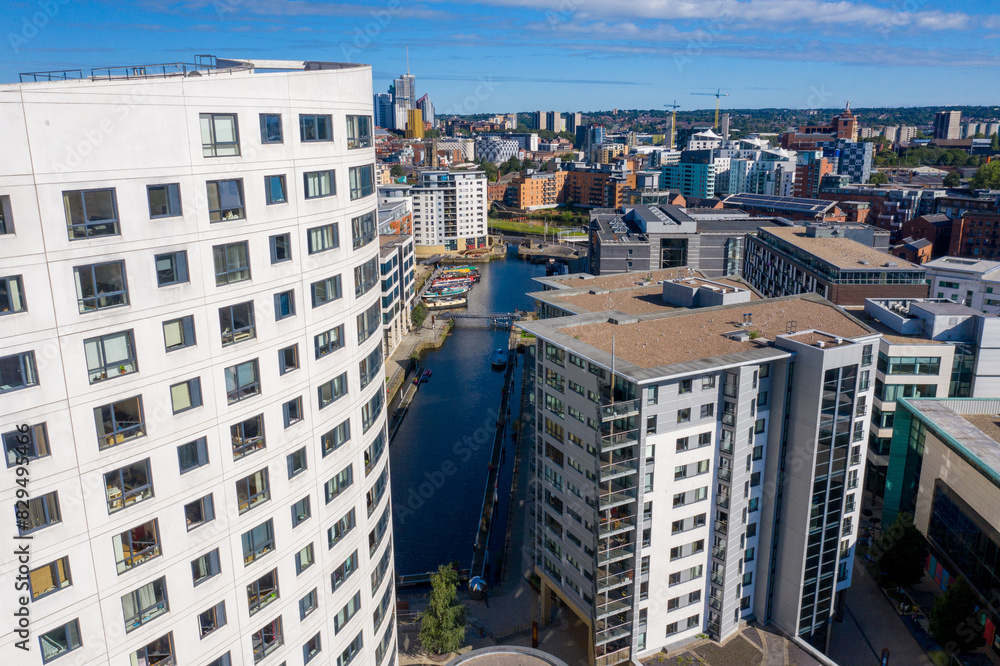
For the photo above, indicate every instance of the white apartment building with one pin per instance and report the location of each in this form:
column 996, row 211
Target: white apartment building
column 397, row 266
column 686, row 479
column 449, row 211
column 190, row 333
column 974, row 282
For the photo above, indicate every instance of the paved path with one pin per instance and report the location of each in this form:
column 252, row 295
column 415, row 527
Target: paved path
column 870, row 624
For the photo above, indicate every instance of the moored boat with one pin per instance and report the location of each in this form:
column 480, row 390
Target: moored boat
column 445, row 303
column 499, row 358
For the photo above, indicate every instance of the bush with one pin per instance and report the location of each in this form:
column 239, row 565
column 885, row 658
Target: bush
column 419, row 315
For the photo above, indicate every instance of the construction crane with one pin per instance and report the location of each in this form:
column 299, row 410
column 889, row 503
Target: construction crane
column 673, row 124
column 717, row 95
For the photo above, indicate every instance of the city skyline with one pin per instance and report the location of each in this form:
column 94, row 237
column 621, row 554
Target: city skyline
column 480, row 58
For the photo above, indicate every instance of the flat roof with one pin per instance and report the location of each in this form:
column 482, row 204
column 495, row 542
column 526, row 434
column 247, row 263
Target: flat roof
column 970, row 427
column 963, row 265
column 689, row 335
column 844, row 253
column 617, row 281
column 794, row 204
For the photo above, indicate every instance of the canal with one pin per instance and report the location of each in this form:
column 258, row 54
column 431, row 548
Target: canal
column 441, row 454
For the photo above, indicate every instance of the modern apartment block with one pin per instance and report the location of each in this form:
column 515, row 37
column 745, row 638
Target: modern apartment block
column 948, row 125
column 397, row 264
column 973, row 282
column 192, row 367
column 680, row 489
column 449, row 210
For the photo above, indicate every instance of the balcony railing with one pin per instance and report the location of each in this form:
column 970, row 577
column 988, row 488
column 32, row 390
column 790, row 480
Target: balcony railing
column 722, row 500
column 722, row 526
column 614, row 470
column 718, row 578
column 619, row 440
column 725, row 474
column 612, row 581
column 616, row 526
column 619, row 410
column 715, row 602
column 617, row 657
column 615, row 554
column 612, row 607
column 617, row 498
column 719, row 552
column 612, row 633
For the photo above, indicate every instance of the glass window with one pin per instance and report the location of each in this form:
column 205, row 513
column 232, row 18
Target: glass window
column 296, row 462
column 225, row 200
column 369, row 322
column 274, row 189
column 319, row 184
column 352, row 650
column 304, row 559
column 326, row 291
column 6, row 221
column 119, row 422
column 323, row 238
column 332, row 390
column 315, row 128
column 145, row 604
column 366, row 276
column 101, row 286
column 281, row 248
column 242, row 381
column 186, row 395
column 224, row 660
column 308, row 604
column 340, row 528
column 345, row 614
column 284, row 304
column 164, row 200
column 288, row 359
column 219, row 135
column 362, row 181
column 110, row 356
column 12, row 295
column 171, row 268
column 301, row 511
column 37, row 512
column 160, row 651
column 334, row 439
column 247, row 436
column 57, row 642
column 270, row 128
column 237, row 323
column 212, row 619
column 252, row 490
column 344, row 571
column 91, row 213
column 205, row 567
column 359, row 132
column 49, row 578
column 193, row 454
column 267, row 639
column 329, row 341
column 199, row 512
column 263, row 591
column 179, row 333
column 258, row 542
column 232, row 263
column 339, row 483
column 136, row 546
column 26, row 443
column 128, row 485
column 370, row 367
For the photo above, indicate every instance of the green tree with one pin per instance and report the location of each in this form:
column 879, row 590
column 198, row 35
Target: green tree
column 511, row 165
column 954, row 620
column 492, row 173
column 879, row 178
column 987, row 176
column 900, row 551
column 995, row 143
column 418, row 315
column 442, row 625
column 952, row 179
column 396, row 171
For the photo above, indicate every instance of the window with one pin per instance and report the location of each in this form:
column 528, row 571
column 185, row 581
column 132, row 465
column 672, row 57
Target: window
column 91, row 213
column 212, row 619
column 247, row 436
column 136, row 546
column 6, row 223
column 359, row 132
column 304, row 559
column 179, row 333
column 164, row 200
column 38, row 512
column 344, row 571
column 232, row 263
column 145, row 604
column 192, row 455
column 274, row 190
column 12, row 295
column 258, row 542
column 301, row 511
column 339, row 483
column 270, row 128
column 26, row 443
column 49, row 578
column 267, row 639
column 362, row 181
column 281, row 248
column 684, row 415
column 262, row 591
column 692, row 621
column 708, row 382
column 370, row 367
column 57, row 642
column 340, row 528
column 101, row 286
column 284, row 305
column 315, row 128
column 224, row 660
column 252, row 490
column 320, row 239
column 707, row 410
column 242, row 381
column 292, row 411
column 110, row 356
column 369, row 322
column 671, row 628
column 352, row 651
column 651, row 425
column 329, row 341
column 288, row 359
column 205, row 567
column 225, row 200
column 308, row 603
column 326, row 291
column 759, row 426
column 128, row 485
column 375, row 536
column 296, row 462
column 199, row 512
column 371, row 411
column 186, row 395
column 319, row 184
column 237, row 323
column 332, row 390
column 219, row 135
column 334, row 439
column 345, row 614
column 652, row 395
column 119, row 422
column 684, row 386
column 366, row 276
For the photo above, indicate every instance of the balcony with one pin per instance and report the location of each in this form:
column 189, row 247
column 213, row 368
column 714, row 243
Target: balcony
column 725, row 474
column 614, row 607
column 722, row 500
column 619, row 440
column 718, row 578
column 614, row 470
column 855, row 459
column 722, row 526
column 615, row 554
column 611, row 633
column 617, row 657
column 617, row 498
column 719, row 552
column 715, row 602
column 619, row 410
column 616, row 526
column 612, row 581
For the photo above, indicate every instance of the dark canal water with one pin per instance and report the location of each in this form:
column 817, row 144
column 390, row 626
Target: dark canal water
column 441, row 453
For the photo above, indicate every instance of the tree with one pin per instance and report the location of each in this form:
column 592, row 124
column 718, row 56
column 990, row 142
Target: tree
column 952, row 179
column 396, row 171
column 900, row 552
column 954, row 620
column 995, row 143
column 442, row 625
column 492, row 173
column 879, row 178
column 987, row 177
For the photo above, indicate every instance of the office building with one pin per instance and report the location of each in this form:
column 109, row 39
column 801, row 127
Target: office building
column 837, row 262
column 414, row 124
column 385, row 115
column 972, row 282
column 194, row 344
column 555, row 122
column 851, row 158
column 496, row 150
column 791, row 208
column 588, row 137
column 397, row 263
column 652, row 523
column 573, row 120
column 449, row 211
column 948, row 125
column 427, row 109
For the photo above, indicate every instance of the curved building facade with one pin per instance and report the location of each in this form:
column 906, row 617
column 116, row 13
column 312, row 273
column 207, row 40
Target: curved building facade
column 191, row 368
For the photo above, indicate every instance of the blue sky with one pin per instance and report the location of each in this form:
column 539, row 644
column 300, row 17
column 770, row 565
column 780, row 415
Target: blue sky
column 481, row 56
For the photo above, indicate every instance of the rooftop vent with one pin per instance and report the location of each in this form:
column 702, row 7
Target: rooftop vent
column 864, row 262
column 821, row 344
column 891, row 264
column 738, row 336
